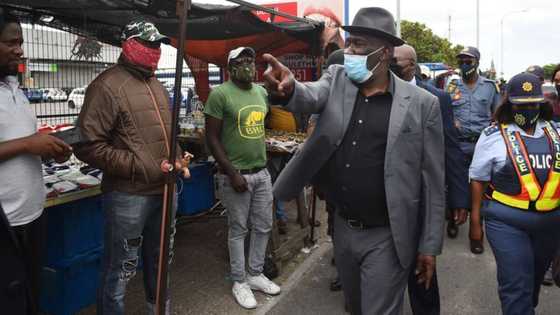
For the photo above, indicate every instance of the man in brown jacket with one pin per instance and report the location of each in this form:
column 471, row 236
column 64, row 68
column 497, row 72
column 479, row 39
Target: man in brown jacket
column 126, row 121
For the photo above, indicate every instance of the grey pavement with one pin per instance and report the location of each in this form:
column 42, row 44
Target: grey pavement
column 467, row 286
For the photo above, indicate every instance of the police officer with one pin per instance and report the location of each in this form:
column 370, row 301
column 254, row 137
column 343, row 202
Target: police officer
column 474, row 99
column 517, row 165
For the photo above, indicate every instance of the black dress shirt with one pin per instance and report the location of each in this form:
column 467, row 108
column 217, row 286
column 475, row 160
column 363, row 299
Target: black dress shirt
column 356, row 169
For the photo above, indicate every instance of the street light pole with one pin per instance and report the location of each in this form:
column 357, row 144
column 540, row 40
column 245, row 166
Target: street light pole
column 478, row 24
column 399, row 18
column 502, row 47
column 502, row 38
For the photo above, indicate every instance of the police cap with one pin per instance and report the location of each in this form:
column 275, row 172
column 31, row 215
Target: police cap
column 470, row 52
column 525, row 88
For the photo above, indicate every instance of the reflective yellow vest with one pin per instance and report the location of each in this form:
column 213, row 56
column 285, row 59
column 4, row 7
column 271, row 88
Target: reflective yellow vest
column 532, row 196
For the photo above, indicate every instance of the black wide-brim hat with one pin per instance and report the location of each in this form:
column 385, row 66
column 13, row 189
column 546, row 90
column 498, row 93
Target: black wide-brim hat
column 376, row 22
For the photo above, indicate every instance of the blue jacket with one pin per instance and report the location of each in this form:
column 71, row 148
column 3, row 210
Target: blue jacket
column 456, row 165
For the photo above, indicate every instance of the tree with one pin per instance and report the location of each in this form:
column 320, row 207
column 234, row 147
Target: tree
column 548, row 69
column 429, row 47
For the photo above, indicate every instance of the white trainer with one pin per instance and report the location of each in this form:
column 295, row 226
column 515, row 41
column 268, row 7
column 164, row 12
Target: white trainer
column 261, row 283
column 243, row 295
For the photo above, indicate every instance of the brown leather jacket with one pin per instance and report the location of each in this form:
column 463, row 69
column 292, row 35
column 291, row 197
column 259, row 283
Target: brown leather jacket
column 123, row 118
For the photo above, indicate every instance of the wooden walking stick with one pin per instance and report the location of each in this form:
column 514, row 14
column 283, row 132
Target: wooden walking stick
column 182, row 9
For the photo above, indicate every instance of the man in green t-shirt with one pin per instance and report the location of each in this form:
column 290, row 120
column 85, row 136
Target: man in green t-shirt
column 235, row 114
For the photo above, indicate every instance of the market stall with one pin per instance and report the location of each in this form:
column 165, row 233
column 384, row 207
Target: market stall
column 73, row 206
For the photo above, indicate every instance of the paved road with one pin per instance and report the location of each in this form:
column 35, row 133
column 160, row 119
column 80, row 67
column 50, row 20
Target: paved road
column 467, row 282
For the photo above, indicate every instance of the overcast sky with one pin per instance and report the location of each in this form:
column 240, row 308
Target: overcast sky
column 530, row 37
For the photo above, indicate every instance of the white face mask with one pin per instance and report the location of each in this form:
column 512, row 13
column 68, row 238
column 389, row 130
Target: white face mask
column 356, row 66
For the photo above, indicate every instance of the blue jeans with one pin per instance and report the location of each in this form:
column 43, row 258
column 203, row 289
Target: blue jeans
column 252, row 210
column 524, row 244
column 132, row 227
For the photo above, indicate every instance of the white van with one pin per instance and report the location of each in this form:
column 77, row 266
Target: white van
column 76, row 98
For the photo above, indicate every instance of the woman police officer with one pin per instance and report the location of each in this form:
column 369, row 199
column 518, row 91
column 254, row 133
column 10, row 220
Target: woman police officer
column 516, row 165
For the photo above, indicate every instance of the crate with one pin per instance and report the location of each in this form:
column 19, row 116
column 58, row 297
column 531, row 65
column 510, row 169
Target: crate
column 73, row 229
column 67, row 288
column 197, row 192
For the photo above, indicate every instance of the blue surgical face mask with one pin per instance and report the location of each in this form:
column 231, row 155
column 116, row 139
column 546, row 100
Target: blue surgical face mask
column 356, row 66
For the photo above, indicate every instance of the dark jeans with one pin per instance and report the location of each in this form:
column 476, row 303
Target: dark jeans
column 524, row 244
column 422, row 301
column 31, row 237
column 132, row 227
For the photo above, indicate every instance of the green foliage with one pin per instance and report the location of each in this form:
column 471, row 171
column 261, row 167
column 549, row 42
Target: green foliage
column 429, row 47
column 548, row 70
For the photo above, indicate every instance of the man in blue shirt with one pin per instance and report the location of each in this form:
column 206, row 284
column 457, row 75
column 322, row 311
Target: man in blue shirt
column 474, row 100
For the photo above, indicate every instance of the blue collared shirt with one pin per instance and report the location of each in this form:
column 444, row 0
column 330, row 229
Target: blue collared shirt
column 490, row 154
column 473, row 109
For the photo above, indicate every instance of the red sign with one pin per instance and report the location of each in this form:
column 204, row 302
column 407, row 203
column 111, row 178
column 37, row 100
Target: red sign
column 286, row 7
column 302, row 66
column 301, row 74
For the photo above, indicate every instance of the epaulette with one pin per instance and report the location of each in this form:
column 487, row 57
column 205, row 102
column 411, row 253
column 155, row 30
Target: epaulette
column 452, row 86
column 491, row 130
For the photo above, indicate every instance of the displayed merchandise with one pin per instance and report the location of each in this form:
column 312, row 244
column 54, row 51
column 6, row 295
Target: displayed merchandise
column 70, row 176
column 282, row 141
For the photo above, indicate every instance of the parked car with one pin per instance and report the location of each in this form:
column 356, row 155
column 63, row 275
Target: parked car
column 549, row 91
column 52, row 95
column 76, row 98
column 33, row 95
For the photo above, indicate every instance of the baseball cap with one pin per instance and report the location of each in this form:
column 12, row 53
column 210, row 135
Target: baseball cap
column 233, row 54
column 525, row 88
column 471, row 52
column 144, row 30
column 536, row 70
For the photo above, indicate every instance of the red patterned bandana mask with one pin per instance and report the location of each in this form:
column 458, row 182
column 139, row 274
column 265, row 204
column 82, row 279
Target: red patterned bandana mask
column 141, row 55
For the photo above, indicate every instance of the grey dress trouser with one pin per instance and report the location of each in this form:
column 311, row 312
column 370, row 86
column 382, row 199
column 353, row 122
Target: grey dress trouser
column 372, row 277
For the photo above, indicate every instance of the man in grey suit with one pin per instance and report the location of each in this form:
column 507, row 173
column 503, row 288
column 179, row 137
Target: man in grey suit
column 378, row 152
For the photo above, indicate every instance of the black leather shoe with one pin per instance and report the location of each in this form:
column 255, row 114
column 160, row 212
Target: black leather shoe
column 477, row 247
column 452, row 229
column 336, row 285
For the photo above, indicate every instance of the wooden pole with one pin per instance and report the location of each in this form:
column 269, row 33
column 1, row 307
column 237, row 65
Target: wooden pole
column 182, row 9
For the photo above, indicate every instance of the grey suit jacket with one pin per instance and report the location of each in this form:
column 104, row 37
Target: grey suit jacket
column 414, row 160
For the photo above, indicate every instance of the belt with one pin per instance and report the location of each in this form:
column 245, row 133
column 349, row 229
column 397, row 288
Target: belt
column 354, row 223
column 251, row 170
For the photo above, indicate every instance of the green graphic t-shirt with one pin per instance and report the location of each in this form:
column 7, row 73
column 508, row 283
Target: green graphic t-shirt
column 242, row 113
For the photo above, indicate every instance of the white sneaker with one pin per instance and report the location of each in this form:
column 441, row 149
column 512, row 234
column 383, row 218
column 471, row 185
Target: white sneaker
column 243, row 295
column 261, row 283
